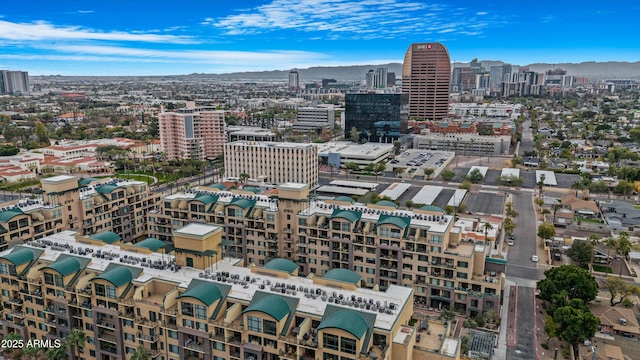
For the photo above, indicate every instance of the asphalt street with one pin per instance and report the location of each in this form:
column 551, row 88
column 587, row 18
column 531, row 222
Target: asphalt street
column 523, row 346
column 519, row 262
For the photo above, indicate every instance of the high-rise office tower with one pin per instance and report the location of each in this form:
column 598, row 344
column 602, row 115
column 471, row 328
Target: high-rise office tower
column 14, row 82
column 426, row 76
column 381, row 77
column 377, row 117
column 294, row 80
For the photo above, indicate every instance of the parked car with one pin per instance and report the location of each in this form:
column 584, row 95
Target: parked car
column 511, row 242
column 534, row 258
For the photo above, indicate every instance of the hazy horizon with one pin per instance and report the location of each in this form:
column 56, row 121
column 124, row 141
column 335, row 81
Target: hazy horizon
column 144, row 38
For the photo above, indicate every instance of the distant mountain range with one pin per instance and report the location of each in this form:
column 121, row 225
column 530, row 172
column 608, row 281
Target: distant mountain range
column 592, row 70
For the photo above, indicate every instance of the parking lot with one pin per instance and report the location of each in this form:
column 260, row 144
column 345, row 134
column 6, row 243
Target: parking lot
column 485, row 203
column 418, row 160
column 528, row 177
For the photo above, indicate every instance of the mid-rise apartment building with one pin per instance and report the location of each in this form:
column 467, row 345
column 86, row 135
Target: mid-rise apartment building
column 185, row 305
column 14, row 82
column 192, row 133
column 276, row 163
column 421, row 249
column 89, row 206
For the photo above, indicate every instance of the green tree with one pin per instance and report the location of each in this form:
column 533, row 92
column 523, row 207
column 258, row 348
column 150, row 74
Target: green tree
column 593, row 240
column 487, row 226
column 396, row 146
column 550, row 328
column 57, row 353
column 623, row 246
column 350, row 167
column 140, row 354
column 508, row 225
column 624, row 187
column 449, row 209
column 41, row 133
column 409, row 203
column 465, row 185
column 540, row 184
column 475, row 176
column 570, row 282
column 243, row 178
column 379, row 168
column 398, row 171
column 580, row 252
column 75, row 340
column 619, row 289
column 546, row 231
column 428, row 172
column 577, row 185
column 354, row 135
column 575, row 325
column 510, row 211
column 448, row 175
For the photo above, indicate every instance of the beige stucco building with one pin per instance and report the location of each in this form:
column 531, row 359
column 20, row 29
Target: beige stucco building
column 192, row 133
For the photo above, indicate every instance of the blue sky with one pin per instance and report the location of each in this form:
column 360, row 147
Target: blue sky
column 140, row 37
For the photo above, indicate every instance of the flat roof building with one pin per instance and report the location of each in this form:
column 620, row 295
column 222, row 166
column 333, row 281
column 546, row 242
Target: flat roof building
column 276, row 163
column 426, row 77
column 192, row 133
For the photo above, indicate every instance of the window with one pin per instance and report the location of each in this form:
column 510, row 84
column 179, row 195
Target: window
column 201, row 311
column 4, row 269
column 174, row 349
column 254, row 324
column 346, row 226
column 111, row 292
column 330, row 341
column 58, row 280
column 172, row 334
column 99, row 290
column 463, row 264
column 436, row 239
column 48, row 279
column 269, row 327
column 348, row 345
column 218, row 346
column 187, row 309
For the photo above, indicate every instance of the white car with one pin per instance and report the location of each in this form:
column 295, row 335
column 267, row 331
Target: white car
column 534, row 258
column 510, row 242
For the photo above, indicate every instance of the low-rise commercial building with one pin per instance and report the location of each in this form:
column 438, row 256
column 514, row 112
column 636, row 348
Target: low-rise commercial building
column 465, row 144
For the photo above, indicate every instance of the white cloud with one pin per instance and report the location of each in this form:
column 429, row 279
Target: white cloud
column 480, row 13
column 346, row 19
column 41, row 30
column 85, row 11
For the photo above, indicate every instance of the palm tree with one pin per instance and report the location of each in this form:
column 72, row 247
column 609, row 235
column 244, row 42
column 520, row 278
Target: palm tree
column 541, row 183
column 57, row 353
column 75, row 340
column 331, row 166
column 140, row 354
column 487, row 226
column 243, row 178
column 593, row 240
column 610, row 243
column 379, row 168
column 577, row 185
column 623, row 247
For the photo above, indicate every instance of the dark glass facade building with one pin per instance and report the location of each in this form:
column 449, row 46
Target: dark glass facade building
column 378, row 117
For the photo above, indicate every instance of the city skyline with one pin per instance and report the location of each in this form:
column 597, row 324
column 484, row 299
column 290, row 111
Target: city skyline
column 142, row 38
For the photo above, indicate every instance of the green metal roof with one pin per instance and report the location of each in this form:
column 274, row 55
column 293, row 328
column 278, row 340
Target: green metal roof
column 432, row 208
column 206, row 292
column 117, row 276
column 88, row 181
column 218, row 186
column 254, row 190
column 7, row 215
column 282, row 265
column 444, row 124
column 66, row 266
column 108, row 237
column 347, row 320
column 243, row 203
column 19, row 256
column 400, row 221
column 272, row 305
column 152, row 244
column 106, row 189
column 206, row 199
column 350, row 215
column 345, row 199
column 465, row 125
column 497, row 125
column 343, row 275
column 387, row 203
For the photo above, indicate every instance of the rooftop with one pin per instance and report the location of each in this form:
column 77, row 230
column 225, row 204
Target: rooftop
column 197, row 229
column 312, row 301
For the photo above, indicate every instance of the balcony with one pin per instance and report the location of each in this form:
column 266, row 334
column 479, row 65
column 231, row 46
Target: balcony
column 192, row 345
column 145, row 337
column 107, row 337
column 105, row 324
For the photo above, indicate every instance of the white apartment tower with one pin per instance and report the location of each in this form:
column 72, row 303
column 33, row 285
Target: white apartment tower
column 294, row 80
column 14, row 82
column 278, row 163
column 196, row 133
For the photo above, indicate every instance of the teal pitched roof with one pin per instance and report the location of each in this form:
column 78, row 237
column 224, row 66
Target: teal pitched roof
column 400, row 221
column 117, row 276
column 350, row 215
column 108, row 237
column 218, row 186
column 444, row 124
column 243, row 203
column 106, row 189
column 272, row 305
column 343, row 275
column 347, row 320
column 19, row 256
column 206, row 292
column 432, row 208
column 66, row 266
column 345, row 199
column 465, row 125
column 254, row 190
column 282, row 265
column 7, row 215
column 152, row 244
column 88, row 181
column 387, row 203
column 206, row 199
